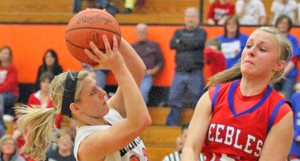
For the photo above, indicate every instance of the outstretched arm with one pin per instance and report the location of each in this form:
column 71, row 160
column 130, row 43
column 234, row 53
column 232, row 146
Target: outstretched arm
column 197, row 132
column 136, row 67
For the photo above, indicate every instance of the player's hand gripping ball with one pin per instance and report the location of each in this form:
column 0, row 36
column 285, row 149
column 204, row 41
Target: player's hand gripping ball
column 89, row 25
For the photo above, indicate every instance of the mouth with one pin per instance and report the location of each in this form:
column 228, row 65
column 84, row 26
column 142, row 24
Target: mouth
column 248, row 61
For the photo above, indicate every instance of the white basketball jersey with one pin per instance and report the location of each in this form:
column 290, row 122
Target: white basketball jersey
column 134, row 151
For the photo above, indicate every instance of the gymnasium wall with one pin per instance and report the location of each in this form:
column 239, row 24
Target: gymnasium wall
column 30, row 41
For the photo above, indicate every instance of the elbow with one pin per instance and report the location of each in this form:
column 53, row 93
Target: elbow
column 145, row 123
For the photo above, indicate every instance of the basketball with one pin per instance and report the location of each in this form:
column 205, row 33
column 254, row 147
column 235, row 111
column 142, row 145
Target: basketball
column 89, row 25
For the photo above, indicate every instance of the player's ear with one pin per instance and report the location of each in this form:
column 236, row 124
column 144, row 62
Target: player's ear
column 74, row 108
column 280, row 65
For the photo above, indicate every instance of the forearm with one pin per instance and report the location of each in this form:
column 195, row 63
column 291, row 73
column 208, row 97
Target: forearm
column 134, row 104
column 175, row 43
column 188, row 154
column 134, row 63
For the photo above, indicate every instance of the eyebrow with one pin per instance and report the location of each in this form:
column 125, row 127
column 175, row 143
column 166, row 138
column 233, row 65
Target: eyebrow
column 260, row 42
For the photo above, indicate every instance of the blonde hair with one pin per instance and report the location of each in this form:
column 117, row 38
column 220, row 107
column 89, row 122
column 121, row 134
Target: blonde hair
column 36, row 124
column 285, row 49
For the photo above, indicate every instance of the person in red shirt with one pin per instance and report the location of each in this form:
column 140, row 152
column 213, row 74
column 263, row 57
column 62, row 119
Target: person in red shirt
column 9, row 91
column 219, row 11
column 42, row 98
column 213, row 57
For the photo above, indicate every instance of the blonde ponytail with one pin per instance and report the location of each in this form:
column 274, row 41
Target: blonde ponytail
column 36, row 124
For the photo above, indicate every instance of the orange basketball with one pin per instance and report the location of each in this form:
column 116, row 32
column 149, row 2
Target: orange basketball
column 89, row 25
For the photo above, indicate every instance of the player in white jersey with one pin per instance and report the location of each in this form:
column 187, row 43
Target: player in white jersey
column 106, row 131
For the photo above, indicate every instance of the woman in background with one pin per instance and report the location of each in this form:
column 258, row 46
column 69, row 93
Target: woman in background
column 232, row 42
column 9, row 90
column 9, row 149
column 50, row 64
column 284, row 24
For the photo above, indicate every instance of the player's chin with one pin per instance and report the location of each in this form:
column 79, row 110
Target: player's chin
column 105, row 109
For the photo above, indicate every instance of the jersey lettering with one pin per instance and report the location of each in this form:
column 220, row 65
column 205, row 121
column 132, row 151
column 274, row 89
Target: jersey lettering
column 230, row 136
column 130, row 146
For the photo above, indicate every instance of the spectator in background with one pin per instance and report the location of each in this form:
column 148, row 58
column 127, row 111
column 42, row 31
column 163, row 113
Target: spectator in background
column 232, row 42
column 9, row 150
column 284, row 24
column 151, row 55
column 214, row 57
column 42, row 98
column 189, row 44
column 64, row 150
column 50, row 64
column 175, row 156
column 219, row 11
column 295, row 149
column 284, row 7
column 9, row 90
column 251, row 12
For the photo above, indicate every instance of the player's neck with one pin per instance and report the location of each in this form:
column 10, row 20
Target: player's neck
column 252, row 87
column 90, row 121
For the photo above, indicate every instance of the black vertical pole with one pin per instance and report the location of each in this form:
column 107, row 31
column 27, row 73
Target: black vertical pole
column 201, row 11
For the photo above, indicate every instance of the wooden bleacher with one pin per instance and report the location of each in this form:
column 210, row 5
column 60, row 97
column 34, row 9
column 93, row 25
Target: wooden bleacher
column 151, row 12
column 52, row 11
column 160, row 139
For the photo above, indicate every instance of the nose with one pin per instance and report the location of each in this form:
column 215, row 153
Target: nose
column 252, row 51
column 102, row 93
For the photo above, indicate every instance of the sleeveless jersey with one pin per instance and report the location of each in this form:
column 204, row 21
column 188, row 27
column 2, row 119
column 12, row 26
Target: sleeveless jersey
column 240, row 124
column 135, row 151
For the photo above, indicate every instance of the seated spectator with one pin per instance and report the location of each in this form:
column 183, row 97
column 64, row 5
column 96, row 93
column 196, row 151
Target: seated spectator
column 175, row 156
column 295, row 101
column 284, row 24
column 284, row 7
column 9, row 90
column 42, row 98
column 9, row 150
column 151, row 55
column 62, row 152
column 251, row 12
column 219, row 11
column 232, row 42
column 214, row 57
column 50, row 64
